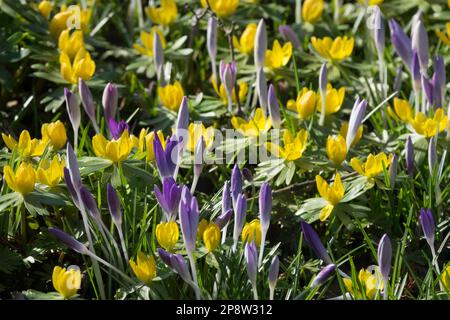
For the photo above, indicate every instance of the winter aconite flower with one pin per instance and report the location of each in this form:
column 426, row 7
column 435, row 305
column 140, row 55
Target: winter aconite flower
column 211, row 236
column 145, row 143
column 113, row 150
column 253, row 127
column 45, row 7
column 223, row 8
column 444, row 36
column 171, row 96
column 336, row 149
column 344, row 129
column 371, row 2
column 69, row 18
column 50, row 173
column 195, row 132
column 167, row 234
column 144, row 268
column 373, row 166
column 71, row 42
column 146, row 38
column 82, row 66
column 312, row 10
column 333, row 50
column 55, row 134
column 293, row 147
column 165, row 14
column 22, row 180
column 331, row 193
column 247, row 40
column 222, row 93
column 445, row 277
column 305, row 105
column 66, row 281
column 26, row 147
column 279, row 56
column 333, row 100
column 371, row 281
column 252, row 232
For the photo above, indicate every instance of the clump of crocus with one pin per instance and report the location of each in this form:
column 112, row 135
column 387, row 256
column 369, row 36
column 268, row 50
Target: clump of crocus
column 169, row 197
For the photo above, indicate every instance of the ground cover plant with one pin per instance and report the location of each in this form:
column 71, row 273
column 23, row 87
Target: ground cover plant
column 224, row 149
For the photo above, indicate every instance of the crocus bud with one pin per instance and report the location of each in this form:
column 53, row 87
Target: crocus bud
column 260, row 45
column 73, row 109
column 274, row 270
column 409, row 153
column 415, row 72
column 428, row 227
column 87, row 100
column 251, row 259
column 274, row 108
column 110, row 101
column 432, row 155
column 427, row 87
column 239, row 217
column 226, row 197
column 265, row 205
column 378, row 32
column 398, row 80
column 117, row 128
column 158, row 54
column 114, row 205
column 211, row 40
column 89, row 203
column 313, row 241
column 223, row 219
column 384, row 254
column 70, row 187
column 247, row 174
column 261, row 90
column 289, row 35
column 68, row 240
column 198, row 156
column 437, row 92
column 72, row 166
column 166, row 159
column 323, row 275
column 439, row 71
column 169, row 198
column 419, row 43
column 180, row 266
column 182, row 123
column 189, row 214
column 236, row 184
column 356, row 117
column 323, row 81
column 228, row 77
column 401, row 43
column 393, row 171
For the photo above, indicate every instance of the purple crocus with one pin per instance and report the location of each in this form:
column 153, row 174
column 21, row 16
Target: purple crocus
column 239, row 218
column 289, row 35
column 323, row 82
column 265, row 205
column 428, row 227
column 419, row 43
column 427, row 87
column 378, row 32
column 182, row 123
column 440, row 81
column 261, row 90
column 415, row 72
column 274, row 270
column 189, row 213
column 323, row 275
column 211, row 41
column 169, row 198
column 409, row 153
column 114, row 205
column 89, row 203
column 227, row 74
column 68, row 240
column 432, row 155
column 110, row 101
column 226, row 197
column 384, row 254
column 73, row 110
column 158, row 56
column 260, row 45
column 274, row 108
column 401, row 43
column 236, row 184
column 222, row 220
column 393, row 171
column 166, row 159
column 117, row 128
column 88, row 102
column 177, row 263
column 251, row 260
column 247, row 174
column 398, row 80
column 356, row 117
column 313, row 241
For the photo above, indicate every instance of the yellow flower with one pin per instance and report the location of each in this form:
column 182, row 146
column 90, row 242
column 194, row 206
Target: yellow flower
column 256, row 125
column 305, row 103
column 293, row 148
column 114, row 150
column 403, row 109
column 196, row 131
column 223, row 8
column 66, row 282
column 202, row 225
column 445, row 275
column 252, row 232
column 279, row 56
column 371, row 282
column 82, row 67
column 70, row 17
column 45, row 7
column 331, row 193
column 144, row 268
column 171, row 96
column 147, row 41
column 247, row 41
column 167, row 234
column 211, row 236
column 373, row 165
column 165, row 14
column 428, row 127
column 336, row 149
column 344, row 129
column 312, row 10
column 26, row 147
column 333, row 100
column 71, row 43
column 334, row 50
column 50, row 173
column 371, row 2
column 145, row 143
column 55, row 134
column 22, row 180
column 222, row 93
